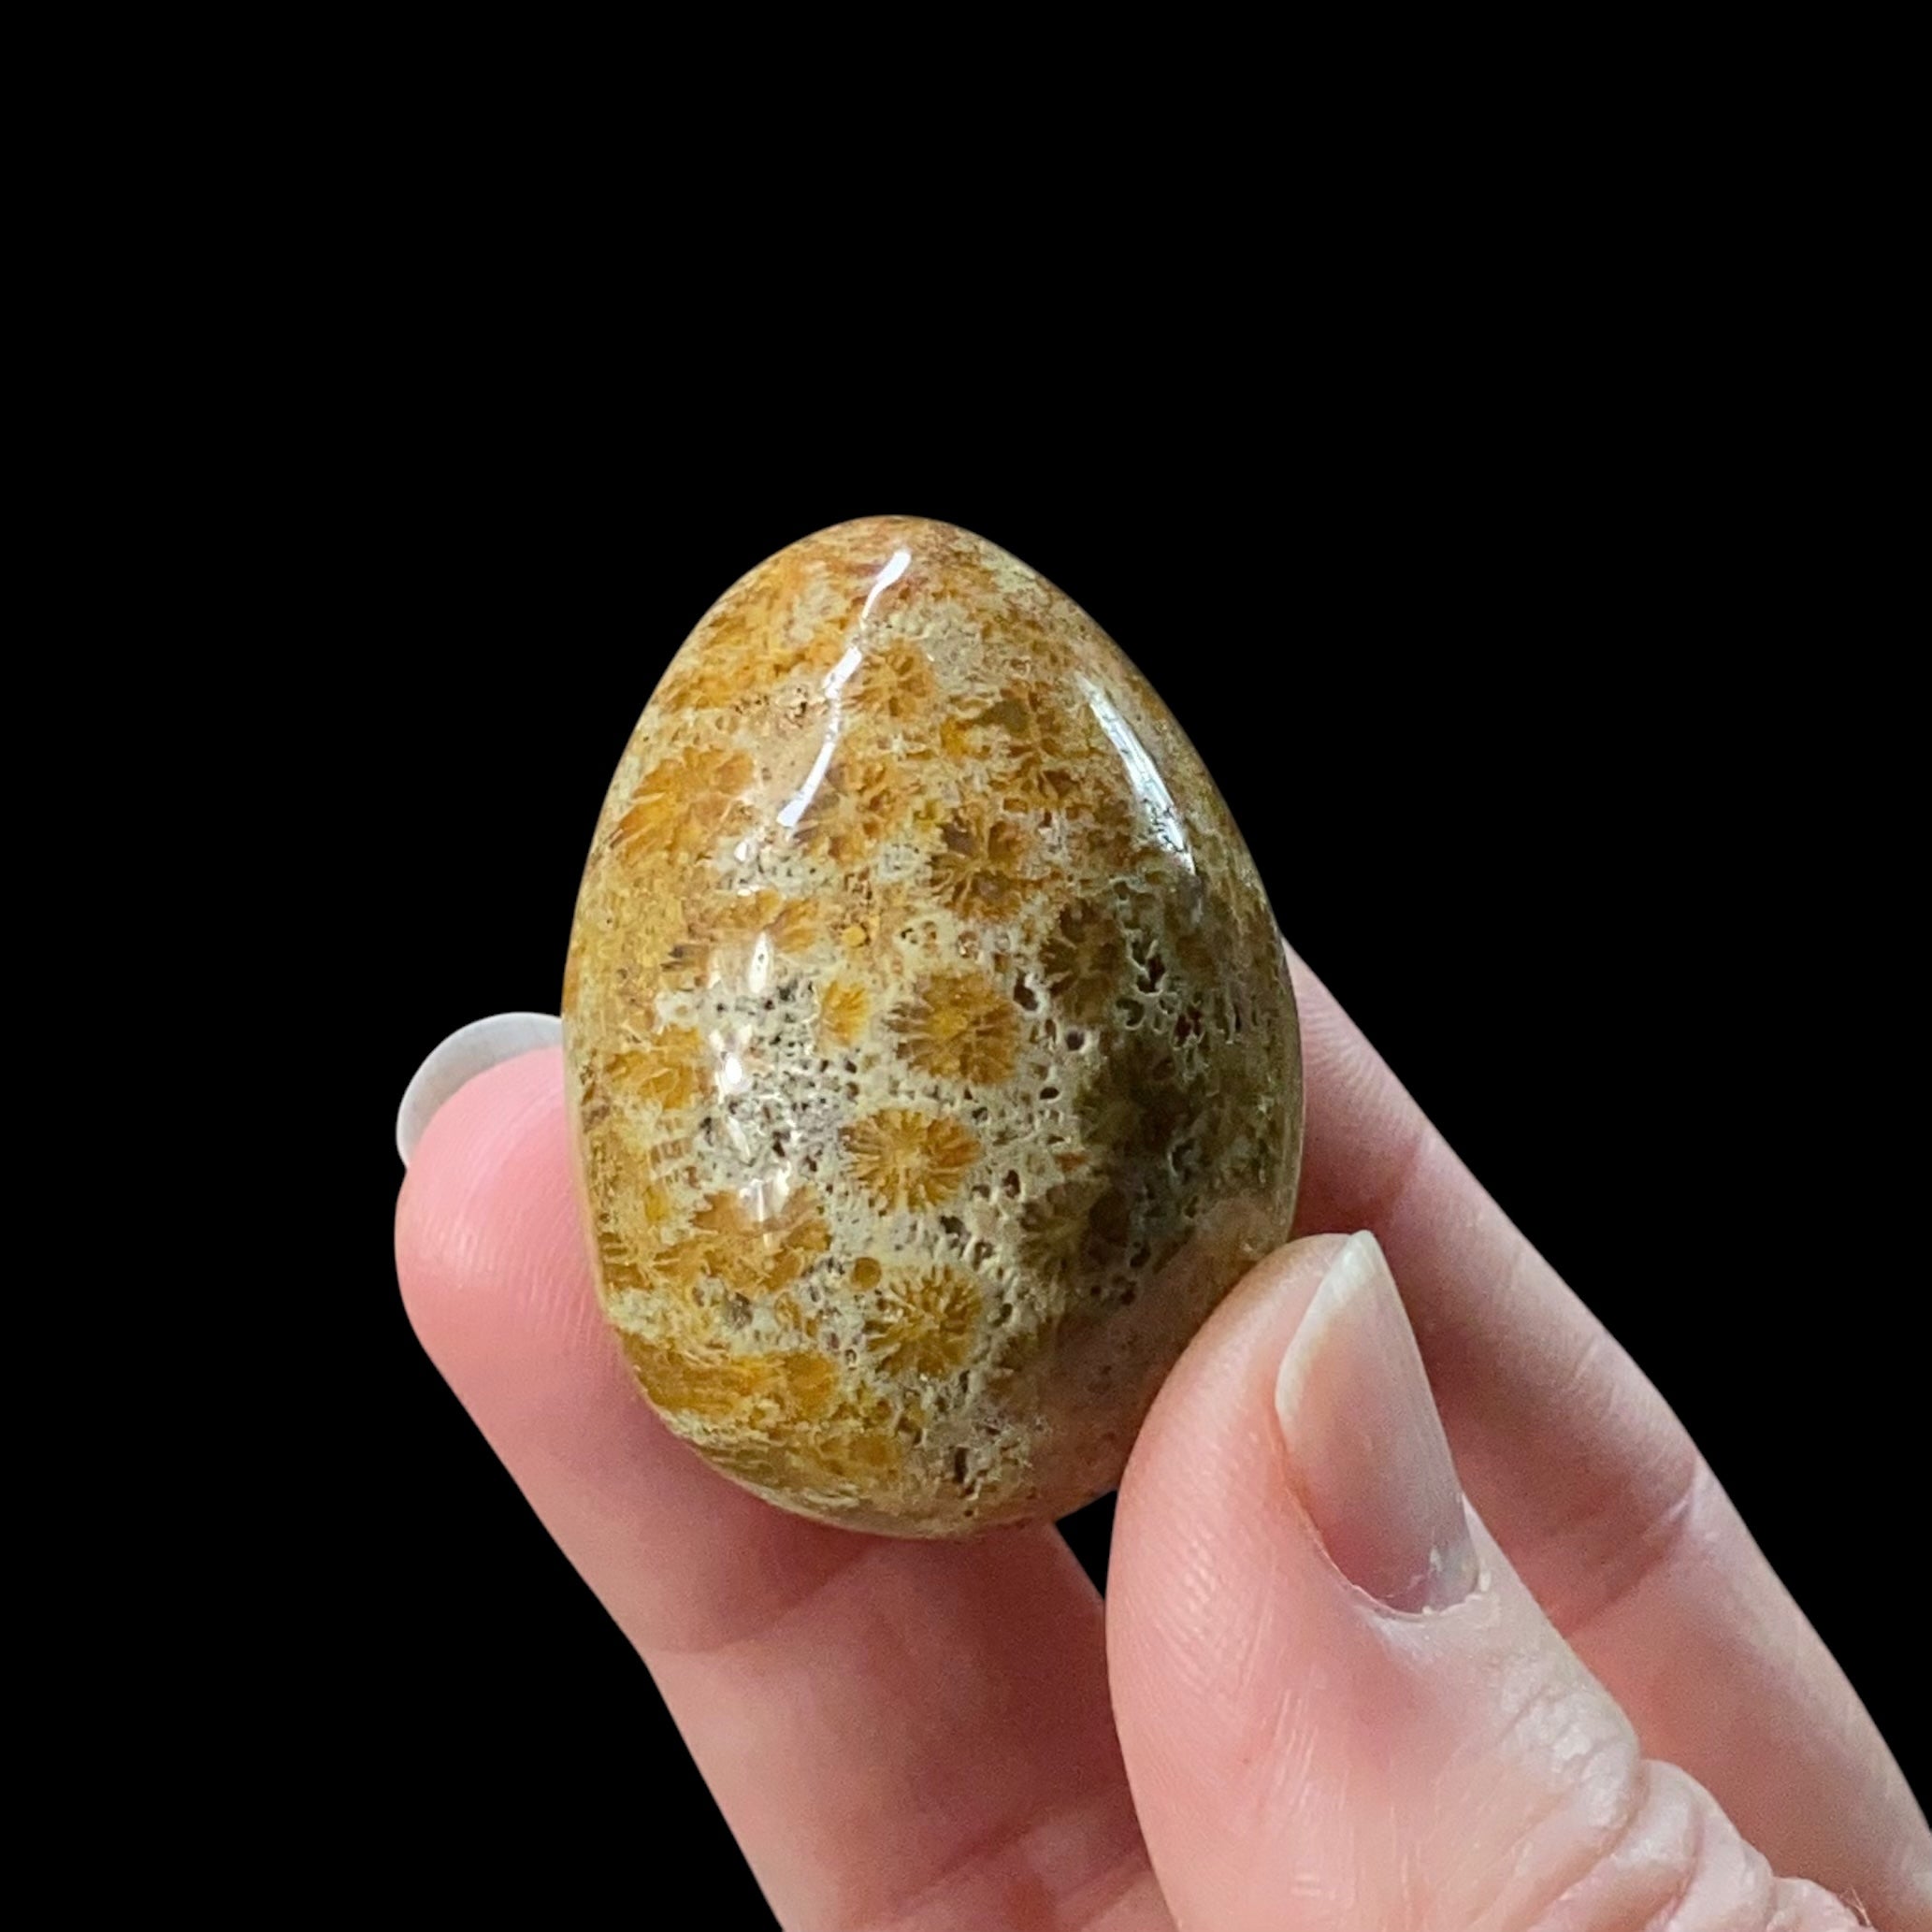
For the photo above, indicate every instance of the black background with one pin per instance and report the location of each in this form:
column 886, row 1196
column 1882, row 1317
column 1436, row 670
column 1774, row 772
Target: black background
column 1549, row 726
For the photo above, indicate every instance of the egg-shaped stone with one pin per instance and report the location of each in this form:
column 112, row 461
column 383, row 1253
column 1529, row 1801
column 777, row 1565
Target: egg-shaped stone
column 934, row 1061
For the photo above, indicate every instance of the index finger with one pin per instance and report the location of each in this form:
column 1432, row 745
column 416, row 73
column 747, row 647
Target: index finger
column 903, row 1735
column 1606, row 1510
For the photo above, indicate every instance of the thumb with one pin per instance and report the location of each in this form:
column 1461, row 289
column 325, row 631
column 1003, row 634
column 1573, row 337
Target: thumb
column 1340, row 1707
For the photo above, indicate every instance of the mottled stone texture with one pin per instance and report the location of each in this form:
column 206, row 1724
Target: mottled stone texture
column 935, row 1059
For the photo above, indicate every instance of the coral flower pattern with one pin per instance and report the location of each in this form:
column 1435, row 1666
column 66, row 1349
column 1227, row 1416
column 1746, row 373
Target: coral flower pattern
column 935, row 1068
column 924, row 1328
column 907, row 1160
column 1082, row 959
column 685, row 803
column 853, row 808
column 842, row 1011
column 960, row 1026
column 900, row 684
column 979, row 868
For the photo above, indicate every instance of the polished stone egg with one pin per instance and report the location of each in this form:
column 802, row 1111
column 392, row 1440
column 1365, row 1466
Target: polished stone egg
column 932, row 1053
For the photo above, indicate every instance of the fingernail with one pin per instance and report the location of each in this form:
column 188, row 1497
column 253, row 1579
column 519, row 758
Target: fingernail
column 1365, row 1447
column 468, row 1051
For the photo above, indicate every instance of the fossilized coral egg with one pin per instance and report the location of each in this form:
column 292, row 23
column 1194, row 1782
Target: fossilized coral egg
column 934, row 1062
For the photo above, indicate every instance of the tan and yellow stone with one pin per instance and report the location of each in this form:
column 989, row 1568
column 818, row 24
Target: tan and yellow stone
column 935, row 1064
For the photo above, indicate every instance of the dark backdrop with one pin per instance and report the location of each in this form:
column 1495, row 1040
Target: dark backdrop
column 1549, row 738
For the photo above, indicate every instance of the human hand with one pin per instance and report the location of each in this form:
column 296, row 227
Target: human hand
column 1243, row 1738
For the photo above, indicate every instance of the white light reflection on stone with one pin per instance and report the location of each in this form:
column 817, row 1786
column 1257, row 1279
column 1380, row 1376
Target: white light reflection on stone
column 764, row 1199
column 895, row 568
column 835, row 680
column 1146, row 782
column 834, row 685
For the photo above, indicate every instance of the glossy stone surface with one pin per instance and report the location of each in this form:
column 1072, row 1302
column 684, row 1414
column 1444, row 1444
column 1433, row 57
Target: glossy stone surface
column 935, row 1063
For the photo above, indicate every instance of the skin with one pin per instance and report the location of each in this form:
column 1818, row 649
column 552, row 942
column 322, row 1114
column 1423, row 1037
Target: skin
column 1178, row 1757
